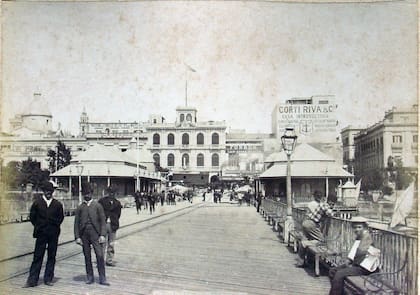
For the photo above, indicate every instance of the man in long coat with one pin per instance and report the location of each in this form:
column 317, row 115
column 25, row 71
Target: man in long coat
column 46, row 215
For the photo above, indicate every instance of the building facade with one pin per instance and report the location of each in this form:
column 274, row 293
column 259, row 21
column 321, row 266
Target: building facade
column 349, row 148
column 245, row 153
column 313, row 118
column 192, row 150
column 395, row 138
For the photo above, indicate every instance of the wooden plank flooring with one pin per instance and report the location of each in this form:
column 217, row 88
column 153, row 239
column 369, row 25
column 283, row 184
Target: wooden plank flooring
column 214, row 249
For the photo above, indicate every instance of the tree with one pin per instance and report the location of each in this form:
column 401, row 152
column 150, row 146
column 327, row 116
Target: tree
column 64, row 157
column 29, row 171
column 374, row 180
column 402, row 175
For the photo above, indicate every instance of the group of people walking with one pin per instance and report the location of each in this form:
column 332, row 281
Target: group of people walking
column 148, row 200
column 95, row 226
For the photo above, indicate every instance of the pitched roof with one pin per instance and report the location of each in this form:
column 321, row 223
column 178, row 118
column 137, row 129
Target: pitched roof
column 101, row 153
column 302, row 153
column 306, row 169
column 101, row 169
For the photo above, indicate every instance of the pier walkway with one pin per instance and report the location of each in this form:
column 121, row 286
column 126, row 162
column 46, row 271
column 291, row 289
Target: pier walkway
column 199, row 248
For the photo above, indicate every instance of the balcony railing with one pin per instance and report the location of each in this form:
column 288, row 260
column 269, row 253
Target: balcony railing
column 396, row 145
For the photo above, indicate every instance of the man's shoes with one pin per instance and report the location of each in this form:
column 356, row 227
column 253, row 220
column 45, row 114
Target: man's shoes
column 29, row 285
column 89, row 281
column 110, row 264
column 104, row 283
column 49, row 283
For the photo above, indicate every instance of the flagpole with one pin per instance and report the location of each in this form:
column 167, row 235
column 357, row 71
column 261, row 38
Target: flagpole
column 186, row 89
column 187, row 67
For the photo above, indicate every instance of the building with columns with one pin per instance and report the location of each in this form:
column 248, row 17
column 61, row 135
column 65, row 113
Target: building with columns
column 394, row 138
column 193, row 150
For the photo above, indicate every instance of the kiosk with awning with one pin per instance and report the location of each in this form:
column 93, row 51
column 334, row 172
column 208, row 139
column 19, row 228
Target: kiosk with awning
column 105, row 166
column 311, row 170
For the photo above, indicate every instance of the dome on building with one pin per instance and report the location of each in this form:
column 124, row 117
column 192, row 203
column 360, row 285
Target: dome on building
column 37, row 107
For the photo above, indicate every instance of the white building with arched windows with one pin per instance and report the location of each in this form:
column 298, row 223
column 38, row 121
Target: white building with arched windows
column 193, row 151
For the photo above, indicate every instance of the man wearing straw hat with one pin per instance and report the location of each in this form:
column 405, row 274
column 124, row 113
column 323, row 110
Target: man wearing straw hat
column 354, row 264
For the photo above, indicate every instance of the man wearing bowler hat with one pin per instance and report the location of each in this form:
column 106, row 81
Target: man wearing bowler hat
column 46, row 215
column 352, row 267
column 90, row 230
column 112, row 208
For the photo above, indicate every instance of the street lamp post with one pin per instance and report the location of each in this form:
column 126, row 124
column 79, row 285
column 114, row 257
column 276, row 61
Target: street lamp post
column 79, row 168
column 288, row 142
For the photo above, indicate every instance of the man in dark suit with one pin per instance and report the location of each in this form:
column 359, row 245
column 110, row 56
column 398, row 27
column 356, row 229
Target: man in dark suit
column 90, row 230
column 112, row 208
column 46, row 215
column 137, row 199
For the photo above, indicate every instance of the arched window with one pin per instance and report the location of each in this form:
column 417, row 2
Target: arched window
column 156, row 138
column 185, row 160
column 215, row 138
column 156, row 158
column 171, row 160
column 200, row 138
column 189, row 118
column 185, row 138
column 182, row 118
column 200, row 160
column 215, row 160
column 171, row 139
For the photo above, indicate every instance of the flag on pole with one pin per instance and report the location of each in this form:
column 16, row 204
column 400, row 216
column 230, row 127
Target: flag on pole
column 357, row 192
column 403, row 206
column 189, row 68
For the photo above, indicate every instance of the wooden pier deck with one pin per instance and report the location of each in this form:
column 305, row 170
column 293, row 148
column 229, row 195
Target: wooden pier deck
column 205, row 248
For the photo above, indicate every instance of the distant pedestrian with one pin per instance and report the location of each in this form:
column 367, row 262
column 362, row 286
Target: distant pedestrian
column 151, row 199
column 248, row 198
column 144, row 200
column 162, row 198
column 90, row 231
column 259, row 200
column 137, row 199
column 204, row 196
column 240, row 197
column 46, row 215
column 112, row 209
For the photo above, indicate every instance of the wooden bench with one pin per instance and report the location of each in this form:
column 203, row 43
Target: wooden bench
column 325, row 253
column 24, row 216
column 295, row 236
column 375, row 283
column 371, row 284
column 69, row 212
column 322, row 254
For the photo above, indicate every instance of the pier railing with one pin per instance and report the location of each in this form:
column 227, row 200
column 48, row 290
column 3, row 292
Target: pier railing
column 398, row 250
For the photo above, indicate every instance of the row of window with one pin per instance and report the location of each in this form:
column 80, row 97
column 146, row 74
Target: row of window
column 186, row 139
column 186, row 160
column 399, row 138
column 374, row 144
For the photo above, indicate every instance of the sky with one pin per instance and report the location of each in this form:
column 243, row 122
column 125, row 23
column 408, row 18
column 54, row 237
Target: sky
column 126, row 60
